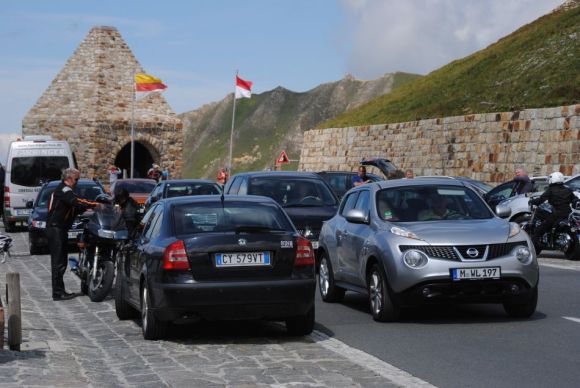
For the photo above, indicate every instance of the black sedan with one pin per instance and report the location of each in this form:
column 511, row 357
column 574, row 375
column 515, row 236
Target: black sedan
column 182, row 187
column 37, row 240
column 216, row 258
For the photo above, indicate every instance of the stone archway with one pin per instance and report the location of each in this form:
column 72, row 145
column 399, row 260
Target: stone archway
column 145, row 156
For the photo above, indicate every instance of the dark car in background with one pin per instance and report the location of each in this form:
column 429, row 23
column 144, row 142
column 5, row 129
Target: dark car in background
column 138, row 188
column 216, row 258
column 37, row 240
column 341, row 181
column 305, row 196
column 182, row 187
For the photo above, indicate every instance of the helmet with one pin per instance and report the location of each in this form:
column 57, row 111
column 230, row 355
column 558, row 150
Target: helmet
column 556, row 177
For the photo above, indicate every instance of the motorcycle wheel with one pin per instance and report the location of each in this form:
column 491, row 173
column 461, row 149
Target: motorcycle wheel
column 574, row 251
column 101, row 280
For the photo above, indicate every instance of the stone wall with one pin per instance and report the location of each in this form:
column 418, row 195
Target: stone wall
column 487, row 146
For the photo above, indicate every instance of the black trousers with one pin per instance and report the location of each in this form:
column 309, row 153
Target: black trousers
column 546, row 226
column 58, row 246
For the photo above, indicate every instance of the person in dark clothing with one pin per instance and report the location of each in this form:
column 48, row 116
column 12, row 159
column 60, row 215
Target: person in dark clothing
column 129, row 209
column 557, row 195
column 63, row 207
column 524, row 183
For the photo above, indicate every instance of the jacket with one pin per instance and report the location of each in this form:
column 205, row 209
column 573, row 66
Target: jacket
column 64, row 205
column 559, row 196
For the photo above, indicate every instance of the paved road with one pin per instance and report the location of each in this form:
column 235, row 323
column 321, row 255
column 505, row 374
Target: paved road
column 475, row 346
column 78, row 343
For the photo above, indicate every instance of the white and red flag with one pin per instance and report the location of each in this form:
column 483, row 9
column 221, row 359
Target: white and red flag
column 243, row 88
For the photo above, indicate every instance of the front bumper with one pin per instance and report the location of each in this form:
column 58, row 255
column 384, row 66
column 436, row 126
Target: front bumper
column 275, row 300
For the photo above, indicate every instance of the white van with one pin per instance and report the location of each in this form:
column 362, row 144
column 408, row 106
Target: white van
column 31, row 163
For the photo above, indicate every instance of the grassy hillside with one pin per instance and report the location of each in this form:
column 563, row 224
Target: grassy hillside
column 270, row 122
column 536, row 66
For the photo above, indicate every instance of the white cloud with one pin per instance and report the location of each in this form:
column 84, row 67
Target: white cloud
column 422, row 35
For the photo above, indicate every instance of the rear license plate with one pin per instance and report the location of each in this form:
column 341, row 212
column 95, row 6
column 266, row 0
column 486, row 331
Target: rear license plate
column 476, row 273
column 242, row 259
column 73, row 235
column 22, row 212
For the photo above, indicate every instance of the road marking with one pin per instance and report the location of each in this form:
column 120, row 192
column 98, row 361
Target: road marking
column 386, row 370
column 577, row 320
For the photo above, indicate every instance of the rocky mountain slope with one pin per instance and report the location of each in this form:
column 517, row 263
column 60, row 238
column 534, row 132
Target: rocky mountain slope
column 270, row 122
column 536, row 66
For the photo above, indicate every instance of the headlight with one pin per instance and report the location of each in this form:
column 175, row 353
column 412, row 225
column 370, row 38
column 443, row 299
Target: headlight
column 38, row 224
column 414, row 258
column 523, row 254
column 514, row 229
column 404, row 233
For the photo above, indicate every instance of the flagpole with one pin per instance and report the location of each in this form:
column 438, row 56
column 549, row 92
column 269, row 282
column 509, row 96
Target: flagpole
column 232, row 131
column 133, row 126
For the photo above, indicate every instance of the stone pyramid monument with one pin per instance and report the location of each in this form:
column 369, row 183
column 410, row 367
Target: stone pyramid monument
column 90, row 104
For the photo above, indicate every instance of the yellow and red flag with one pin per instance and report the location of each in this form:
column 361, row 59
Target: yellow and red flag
column 148, row 83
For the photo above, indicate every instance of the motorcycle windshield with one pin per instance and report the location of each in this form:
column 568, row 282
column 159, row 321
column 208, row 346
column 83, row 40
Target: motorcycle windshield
column 109, row 217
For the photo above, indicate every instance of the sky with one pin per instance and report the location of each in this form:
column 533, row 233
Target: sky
column 196, row 46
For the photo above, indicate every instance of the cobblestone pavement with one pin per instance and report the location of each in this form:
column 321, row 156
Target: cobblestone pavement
column 80, row 343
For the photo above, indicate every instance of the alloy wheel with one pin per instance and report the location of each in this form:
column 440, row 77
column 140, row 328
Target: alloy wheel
column 323, row 277
column 376, row 293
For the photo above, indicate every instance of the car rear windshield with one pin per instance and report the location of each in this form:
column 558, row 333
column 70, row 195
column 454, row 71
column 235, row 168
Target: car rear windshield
column 182, row 189
column 87, row 191
column 136, row 186
column 290, row 192
column 231, row 217
column 33, row 171
column 430, row 203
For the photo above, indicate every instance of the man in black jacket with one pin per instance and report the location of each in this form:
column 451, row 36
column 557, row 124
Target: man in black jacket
column 557, row 195
column 63, row 207
column 129, row 209
column 524, row 183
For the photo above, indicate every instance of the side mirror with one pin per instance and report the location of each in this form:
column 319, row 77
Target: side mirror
column 356, row 216
column 29, row 205
column 503, row 211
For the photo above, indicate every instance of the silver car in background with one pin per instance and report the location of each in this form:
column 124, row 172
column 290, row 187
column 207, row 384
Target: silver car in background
column 410, row 242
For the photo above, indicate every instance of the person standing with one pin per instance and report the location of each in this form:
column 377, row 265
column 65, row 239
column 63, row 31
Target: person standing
column 63, row 206
column 409, row 174
column 524, row 184
column 222, row 177
column 361, row 178
column 114, row 173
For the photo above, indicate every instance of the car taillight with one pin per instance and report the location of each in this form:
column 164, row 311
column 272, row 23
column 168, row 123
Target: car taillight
column 7, row 197
column 304, row 253
column 175, row 256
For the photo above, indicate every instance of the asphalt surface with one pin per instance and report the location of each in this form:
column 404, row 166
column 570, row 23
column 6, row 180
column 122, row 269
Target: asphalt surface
column 474, row 345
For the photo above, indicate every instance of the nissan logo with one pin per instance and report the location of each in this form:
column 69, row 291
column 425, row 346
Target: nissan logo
column 472, row 252
column 243, row 241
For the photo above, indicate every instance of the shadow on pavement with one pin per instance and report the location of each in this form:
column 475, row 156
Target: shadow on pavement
column 7, row 356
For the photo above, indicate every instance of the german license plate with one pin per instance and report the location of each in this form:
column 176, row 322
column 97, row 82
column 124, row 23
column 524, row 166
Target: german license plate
column 242, row 259
column 476, row 273
column 73, row 235
column 22, row 212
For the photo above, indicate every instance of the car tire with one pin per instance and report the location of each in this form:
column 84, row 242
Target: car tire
column 525, row 307
column 33, row 248
column 329, row 291
column 9, row 226
column 383, row 307
column 574, row 251
column 152, row 328
column 302, row 324
column 122, row 308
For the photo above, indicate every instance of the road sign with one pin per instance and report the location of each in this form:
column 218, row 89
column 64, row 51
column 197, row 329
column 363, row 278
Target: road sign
column 283, row 158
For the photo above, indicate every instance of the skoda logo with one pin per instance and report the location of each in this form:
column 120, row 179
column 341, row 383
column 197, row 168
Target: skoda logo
column 472, row 252
column 242, row 241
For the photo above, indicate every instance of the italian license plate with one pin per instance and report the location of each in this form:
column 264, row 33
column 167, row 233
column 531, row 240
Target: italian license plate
column 73, row 235
column 242, row 259
column 314, row 244
column 476, row 273
column 22, row 212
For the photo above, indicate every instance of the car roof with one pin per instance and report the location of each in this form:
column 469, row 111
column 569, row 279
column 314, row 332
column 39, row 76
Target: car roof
column 81, row 181
column 417, row 182
column 287, row 174
column 217, row 198
column 188, row 181
column 135, row 180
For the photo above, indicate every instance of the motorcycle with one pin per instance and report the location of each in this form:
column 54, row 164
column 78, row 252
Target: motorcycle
column 5, row 245
column 564, row 235
column 104, row 233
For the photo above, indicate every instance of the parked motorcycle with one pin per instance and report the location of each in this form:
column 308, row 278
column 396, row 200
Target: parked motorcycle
column 104, row 233
column 564, row 235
